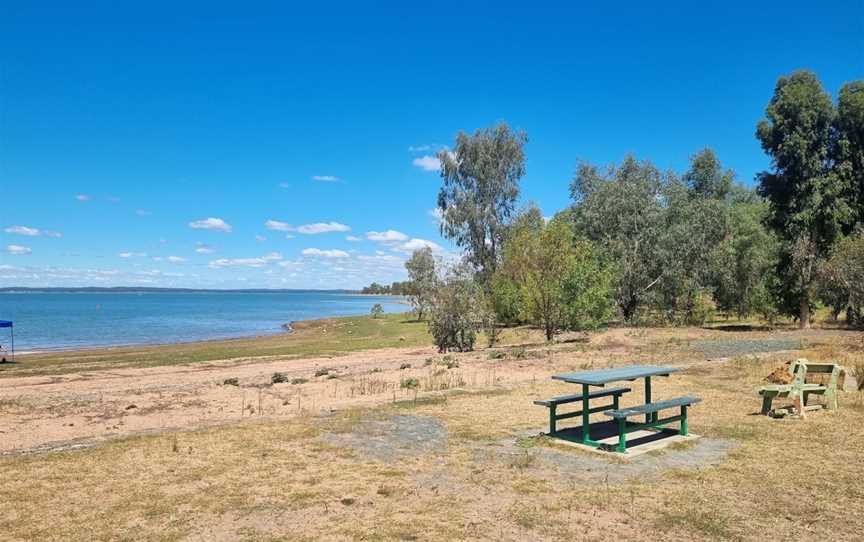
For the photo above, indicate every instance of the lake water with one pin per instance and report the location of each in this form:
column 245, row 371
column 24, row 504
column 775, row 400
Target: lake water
column 71, row 320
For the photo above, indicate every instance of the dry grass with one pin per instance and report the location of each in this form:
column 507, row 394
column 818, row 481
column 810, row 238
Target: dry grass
column 283, row 480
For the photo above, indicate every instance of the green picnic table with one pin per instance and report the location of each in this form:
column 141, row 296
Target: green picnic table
column 599, row 378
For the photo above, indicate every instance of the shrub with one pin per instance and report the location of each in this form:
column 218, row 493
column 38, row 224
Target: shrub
column 404, row 366
column 457, row 312
column 409, row 383
column 497, row 354
column 231, row 382
column 299, row 381
column 377, row 310
column 278, row 378
column 323, row 371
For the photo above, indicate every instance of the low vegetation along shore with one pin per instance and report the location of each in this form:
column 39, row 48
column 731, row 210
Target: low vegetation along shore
column 357, row 428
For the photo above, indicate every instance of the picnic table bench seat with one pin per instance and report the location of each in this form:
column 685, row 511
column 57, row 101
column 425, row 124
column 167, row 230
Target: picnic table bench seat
column 651, row 410
column 552, row 404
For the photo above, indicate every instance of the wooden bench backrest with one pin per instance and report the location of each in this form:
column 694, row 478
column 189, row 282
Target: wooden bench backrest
column 801, row 368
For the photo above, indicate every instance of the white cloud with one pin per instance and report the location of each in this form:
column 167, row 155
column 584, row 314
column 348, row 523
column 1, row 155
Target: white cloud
column 276, row 225
column 17, row 250
column 389, row 236
column 353, row 238
column 245, row 262
column 23, row 230
column 83, row 197
column 322, row 227
column 176, row 259
column 211, row 224
column 325, row 253
column 289, row 236
column 325, row 178
column 32, row 232
column 142, row 212
column 427, row 163
column 260, row 238
column 415, row 244
column 272, row 257
column 132, row 254
column 156, row 258
column 201, row 248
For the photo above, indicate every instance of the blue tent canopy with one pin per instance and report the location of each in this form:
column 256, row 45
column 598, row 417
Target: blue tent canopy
column 5, row 323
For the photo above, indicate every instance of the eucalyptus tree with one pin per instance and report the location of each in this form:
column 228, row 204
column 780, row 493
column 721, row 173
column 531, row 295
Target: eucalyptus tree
column 807, row 205
column 849, row 144
column 423, row 279
column 621, row 209
column 479, row 192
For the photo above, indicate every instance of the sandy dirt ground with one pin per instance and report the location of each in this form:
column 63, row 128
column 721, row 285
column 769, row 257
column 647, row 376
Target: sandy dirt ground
column 40, row 413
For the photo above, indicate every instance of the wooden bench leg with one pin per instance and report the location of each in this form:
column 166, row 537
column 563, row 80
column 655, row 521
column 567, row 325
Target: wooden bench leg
column 552, row 427
column 622, row 435
column 684, row 428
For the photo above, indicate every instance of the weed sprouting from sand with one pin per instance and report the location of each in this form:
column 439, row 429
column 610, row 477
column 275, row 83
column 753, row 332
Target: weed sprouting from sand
column 278, row 378
column 323, row 371
column 231, row 382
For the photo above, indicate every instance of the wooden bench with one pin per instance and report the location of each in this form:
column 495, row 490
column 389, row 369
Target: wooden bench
column 552, row 405
column 800, row 390
column 650, row 410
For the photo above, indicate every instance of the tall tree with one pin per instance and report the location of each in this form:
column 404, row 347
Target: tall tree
column 479, row 192
column 622, row 210
column 423, row 278
column 849, row 146
column 807, row 208
column 706, row 177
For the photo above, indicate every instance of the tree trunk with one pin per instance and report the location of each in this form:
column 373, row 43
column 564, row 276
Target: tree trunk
column 804, row 319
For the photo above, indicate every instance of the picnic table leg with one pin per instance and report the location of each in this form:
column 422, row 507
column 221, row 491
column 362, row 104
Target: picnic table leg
column 647, row 397
column 684, row 427
column 622, row 431
column 585, row 415
column 767, row 399
column 552, row 427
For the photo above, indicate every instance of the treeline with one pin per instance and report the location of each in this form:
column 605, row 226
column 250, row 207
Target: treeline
column 396, row 288
column 646, row 246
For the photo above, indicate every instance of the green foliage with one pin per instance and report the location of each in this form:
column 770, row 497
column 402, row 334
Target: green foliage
column 377, row 310
column 706, row 177
column 231, row 382
column 843, row 279
column 409, row 383
column 808, row 206
column 621, row 208
column 479, row 192
column 423, row 278
column 743, row 263
column 848, row 150
column 457, row 311
column 278, row 378
column 560, row 282
column 396, row 288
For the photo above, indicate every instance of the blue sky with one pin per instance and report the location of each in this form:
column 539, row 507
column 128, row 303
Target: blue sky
column 151, row 144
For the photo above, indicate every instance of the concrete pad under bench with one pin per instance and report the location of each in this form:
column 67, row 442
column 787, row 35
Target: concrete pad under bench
column 606, row 433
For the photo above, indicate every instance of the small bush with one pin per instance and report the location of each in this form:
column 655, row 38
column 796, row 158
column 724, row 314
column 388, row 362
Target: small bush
column 323, row 371
column 377, row 310
column 428, row 362
column 231, row 382
column 404, row 366
column 449, row 362
column 409, row 383
column 519, row 353
column 278, row 378
column 299, row 381
column 497, row 354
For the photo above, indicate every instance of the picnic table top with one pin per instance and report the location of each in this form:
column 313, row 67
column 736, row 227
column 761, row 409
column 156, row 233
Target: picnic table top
column 599, row 377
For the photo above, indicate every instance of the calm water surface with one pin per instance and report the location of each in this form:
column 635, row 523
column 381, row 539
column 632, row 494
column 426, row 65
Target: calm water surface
column 70, row 320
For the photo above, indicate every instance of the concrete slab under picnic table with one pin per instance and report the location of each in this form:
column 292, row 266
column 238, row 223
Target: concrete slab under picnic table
column 606, row 434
